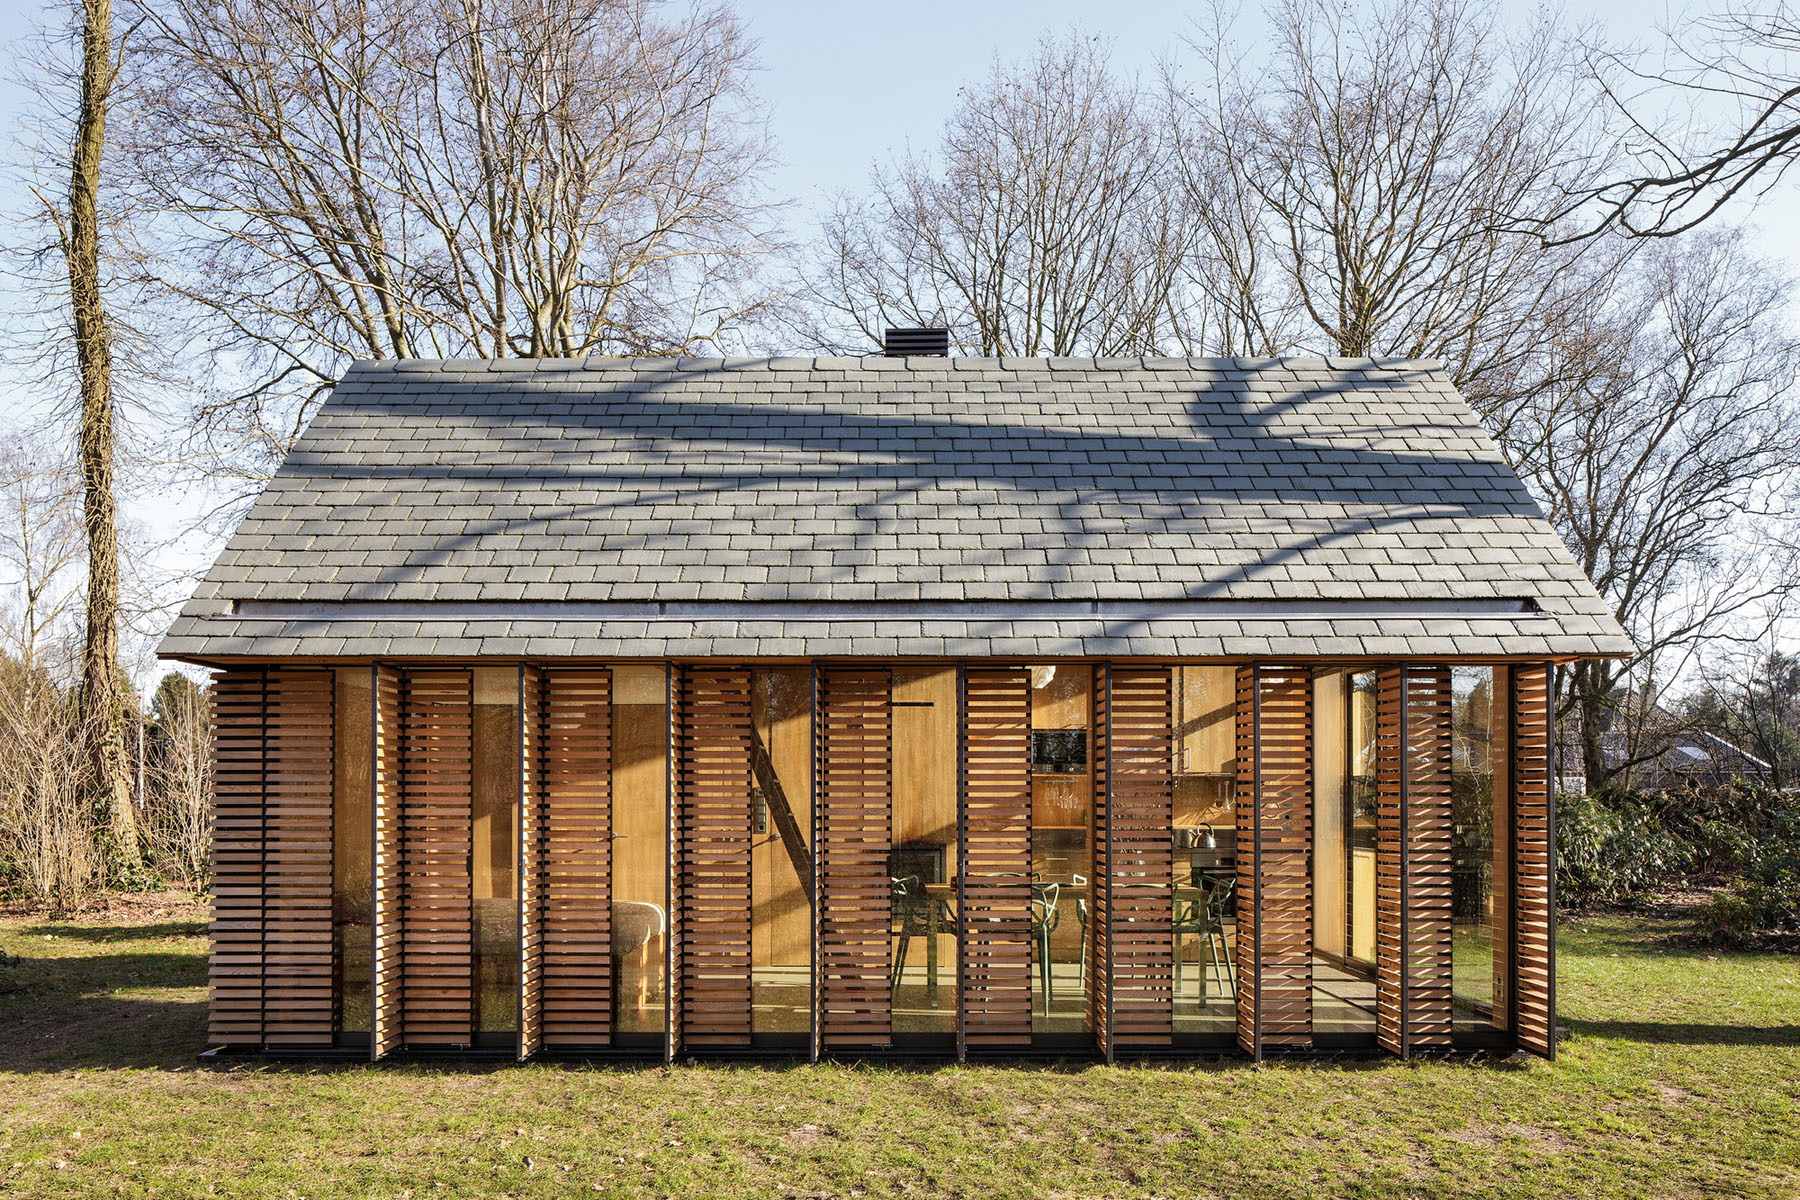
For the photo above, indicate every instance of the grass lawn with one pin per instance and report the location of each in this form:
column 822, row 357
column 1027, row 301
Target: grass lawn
column 1681, row 1078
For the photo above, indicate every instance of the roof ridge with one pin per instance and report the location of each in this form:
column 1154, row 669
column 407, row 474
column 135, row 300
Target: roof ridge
column 884, row 364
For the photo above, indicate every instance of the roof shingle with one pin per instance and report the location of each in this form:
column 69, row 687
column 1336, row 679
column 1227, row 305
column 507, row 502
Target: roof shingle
column 1175, row 482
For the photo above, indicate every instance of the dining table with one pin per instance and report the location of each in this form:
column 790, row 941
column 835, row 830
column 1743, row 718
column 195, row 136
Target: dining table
column 941, row 915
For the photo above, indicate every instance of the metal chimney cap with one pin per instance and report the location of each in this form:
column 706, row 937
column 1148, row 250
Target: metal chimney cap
column 925, row 342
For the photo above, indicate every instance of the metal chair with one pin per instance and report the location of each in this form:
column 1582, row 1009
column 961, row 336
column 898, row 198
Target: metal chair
column 911, row 917
column 1190, row 917
column 1081, row 914
column 1205, row 917
column 1218, row 906
column 1044, row 918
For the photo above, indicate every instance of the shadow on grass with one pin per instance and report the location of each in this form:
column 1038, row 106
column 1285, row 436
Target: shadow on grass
column 1668, row 1033
column 102, row 934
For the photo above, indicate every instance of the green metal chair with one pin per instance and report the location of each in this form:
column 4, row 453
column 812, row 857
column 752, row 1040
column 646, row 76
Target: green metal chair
column 1205, row 917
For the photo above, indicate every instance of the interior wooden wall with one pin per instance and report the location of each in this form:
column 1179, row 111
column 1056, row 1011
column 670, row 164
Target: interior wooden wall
column 781, row 931
column 1331, row 857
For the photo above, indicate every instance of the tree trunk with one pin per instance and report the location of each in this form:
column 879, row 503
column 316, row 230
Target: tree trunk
column 102, row 690
column 1591, row 703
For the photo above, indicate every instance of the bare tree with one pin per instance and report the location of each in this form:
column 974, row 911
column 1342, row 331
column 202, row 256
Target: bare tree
column 1044, row 225
column 1369, row 179
column 1752, row 702
column 427, row 178
column 40, row 542
column 47, row 843
column 1665, row 457
column 79, row 227
column 1731, row 69
column 177, row 795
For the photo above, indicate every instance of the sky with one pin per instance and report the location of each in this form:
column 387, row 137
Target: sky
column 847, row 85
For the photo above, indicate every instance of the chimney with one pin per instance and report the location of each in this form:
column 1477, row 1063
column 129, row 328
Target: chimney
column 917, row 343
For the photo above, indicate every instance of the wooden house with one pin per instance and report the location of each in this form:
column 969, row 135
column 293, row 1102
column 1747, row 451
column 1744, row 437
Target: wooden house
column 917, row 705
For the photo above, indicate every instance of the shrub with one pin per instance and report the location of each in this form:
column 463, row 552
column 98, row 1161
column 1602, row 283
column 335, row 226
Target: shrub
column 1612, row 852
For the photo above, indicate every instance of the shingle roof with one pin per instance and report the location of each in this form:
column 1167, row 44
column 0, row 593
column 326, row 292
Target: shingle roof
column 682, row 507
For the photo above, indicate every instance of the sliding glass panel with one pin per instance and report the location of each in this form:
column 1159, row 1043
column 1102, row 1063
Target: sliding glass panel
column 924, row 862
column 1343, row 984
column 640, row 789
column 1479, row 851
column 781, row 851
column 1361, row 818
column 494, row 853
column 1205, row 849
column 1062, row 822
column 350, row 855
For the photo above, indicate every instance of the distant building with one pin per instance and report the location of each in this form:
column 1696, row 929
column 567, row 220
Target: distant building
column 1687, row 757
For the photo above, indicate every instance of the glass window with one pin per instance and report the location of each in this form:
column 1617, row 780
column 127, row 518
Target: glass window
column 780, row 848
column 1343, row 985
column 1479, row 850
column 350, row 867
column 1360, row 819
column 640, row 787
column 494, row 852
column 1205, row 833
column 923, row 863
column 1062, row 822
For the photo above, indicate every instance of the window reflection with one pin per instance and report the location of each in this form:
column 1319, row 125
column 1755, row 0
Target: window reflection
column 1479, row 850
column 1205, row 849
column 923, row 862
column 494, row 852
column 1360, row 818
column 350, row 868
column 781, row 813
column 1062, row 822
column 1343, row 854
column 640, row 847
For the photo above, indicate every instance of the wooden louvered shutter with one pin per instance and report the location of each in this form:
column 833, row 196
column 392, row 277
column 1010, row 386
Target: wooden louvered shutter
column 1274, row 853
column 386, row 911
column 854, row 730
column 994, row 886
column 437, row 841
column 531, row 860
column 1134, row 864
column 271, row 966
column 235, row 970
column 297, row 857
column 1099, row 962
column 575, row 858
column 713, row 853
column 672, row 863
column 1534, row 871
column 1412, row 858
